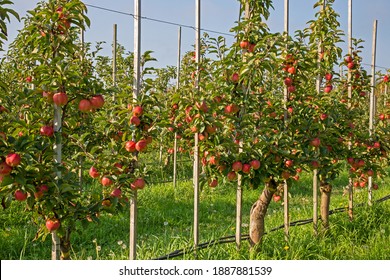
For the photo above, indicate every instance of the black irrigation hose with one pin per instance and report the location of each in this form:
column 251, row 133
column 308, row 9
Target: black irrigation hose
column 232, row 238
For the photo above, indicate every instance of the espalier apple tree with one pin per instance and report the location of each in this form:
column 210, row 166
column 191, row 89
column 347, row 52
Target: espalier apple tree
column 57, row 114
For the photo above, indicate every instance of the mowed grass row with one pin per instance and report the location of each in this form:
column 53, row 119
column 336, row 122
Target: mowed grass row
column 165, row 224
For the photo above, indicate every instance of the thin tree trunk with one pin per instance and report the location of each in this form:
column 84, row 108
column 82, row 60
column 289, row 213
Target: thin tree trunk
column 258, row 212
column 326, row 191
column 65, row 245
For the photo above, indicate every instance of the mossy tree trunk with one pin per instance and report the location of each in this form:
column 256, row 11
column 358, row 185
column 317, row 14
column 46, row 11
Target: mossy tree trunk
column 258, row 212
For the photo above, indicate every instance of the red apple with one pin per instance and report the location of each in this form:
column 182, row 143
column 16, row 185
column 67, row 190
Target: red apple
column 5, row 169
column 13, row 159
column 291, row 70
column 288, row 81
column 140, row 145
column 323, row 116
column 348, row 59
column 246, row 168
column 328, row 88
column 276, row 198
column 138, row 111
column 93, row 172
column 130, row 146
column 237, row 166
column 316, row 142
column 106, row 181
column 289, row 163
column 40, row 190
column 85, row 105
column 138, row 184
column 47, row 130
column 386, row 79
column 135, row 120
column 255, row 164
column 116, row 192
column 232, row 176
column 291, row 89
column 235, row 77
column 244, row 44
column 350, row 65
column 315, row 164
column 213, row 183
column 285, row 174
column 251, row 47
column 328, row 76
column 52, row 224
column 97, row 101
column 60, row 98
column 20, row 195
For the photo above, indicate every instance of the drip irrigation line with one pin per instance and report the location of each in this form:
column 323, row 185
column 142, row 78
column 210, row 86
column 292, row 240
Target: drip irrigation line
column 232, row 238
column 158, row 20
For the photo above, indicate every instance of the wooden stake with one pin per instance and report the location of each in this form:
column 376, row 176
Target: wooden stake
column 372, row 99
column 196, row 146
column 136, row 92
column 285, row 100
column 177, row 87
column 114, row 54
column 350, row 183
column 55, row 248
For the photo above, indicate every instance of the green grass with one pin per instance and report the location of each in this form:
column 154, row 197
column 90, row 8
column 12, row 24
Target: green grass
column 165, row 224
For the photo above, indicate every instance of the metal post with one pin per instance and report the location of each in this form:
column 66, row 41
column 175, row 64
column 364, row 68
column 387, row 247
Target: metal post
column 177, row 87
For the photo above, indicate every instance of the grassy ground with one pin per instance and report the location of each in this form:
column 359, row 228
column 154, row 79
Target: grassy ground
column 166, row 218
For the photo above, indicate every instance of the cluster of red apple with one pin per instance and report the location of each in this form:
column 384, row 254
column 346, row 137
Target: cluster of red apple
column 290, row 67
column 248, row 46
column 133, row 146
column 6, row 166
column 85, row 105
column 242, row 168
column 328, row 86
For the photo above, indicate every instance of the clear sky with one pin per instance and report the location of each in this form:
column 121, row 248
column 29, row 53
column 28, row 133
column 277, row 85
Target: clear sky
column 219, row 15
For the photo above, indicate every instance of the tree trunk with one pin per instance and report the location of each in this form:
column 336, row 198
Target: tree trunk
column 258, row 212
column 326, row 191
column 65, row 245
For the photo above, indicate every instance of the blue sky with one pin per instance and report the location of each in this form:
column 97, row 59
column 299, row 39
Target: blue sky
column 219, row 15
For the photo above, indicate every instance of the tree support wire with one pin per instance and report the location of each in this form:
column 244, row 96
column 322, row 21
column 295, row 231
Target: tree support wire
column 232, row 238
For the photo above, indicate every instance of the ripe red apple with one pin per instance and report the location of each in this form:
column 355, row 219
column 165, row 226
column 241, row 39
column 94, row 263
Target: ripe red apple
column 85, row 105
column 48, row 96
column 276, row 198
column 232, row 176
column 328, row 88
column 13, row 159
column 20, row 195
column 211, row 129
column 116, row 192
column 375, row 186
column 291, row 89
column 246, row 168
column 377, row 145
column 138, row 111
column 47, row 130
column 350, row 65
column 28, row 79
column 328, row 76
column 370, row 172
column 315, row 164
column 323, row 116
column 213, row 183
column 251, row 47
column 255, row 164
column 138, row 184
column 316, row 142
column 386, row 79
column 348, row 59
column 106, row 181
column 60, row 98
column 135, row 120
column 288, row 81
column 244, row 44
column 52, row 224
column 93, row 172
column 235, row 77
column 291, row 70
column 5, row 169
column 140, row 145
column 289, row 163
column 237, row 166
column 130, row 146
column 97, row 101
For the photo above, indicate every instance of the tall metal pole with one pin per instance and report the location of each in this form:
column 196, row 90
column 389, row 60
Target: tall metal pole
column 350, row 184
column 196, row 146
column 177, row 87
column 372, row 99
column 285, row 100
column 136, row 92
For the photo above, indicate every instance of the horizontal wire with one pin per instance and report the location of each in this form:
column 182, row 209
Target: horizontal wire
column 158, row 20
